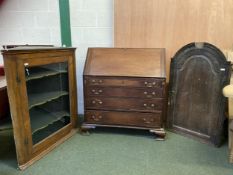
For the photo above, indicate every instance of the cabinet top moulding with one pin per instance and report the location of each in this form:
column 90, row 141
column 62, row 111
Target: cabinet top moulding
column 137, row 62
column 24, row 50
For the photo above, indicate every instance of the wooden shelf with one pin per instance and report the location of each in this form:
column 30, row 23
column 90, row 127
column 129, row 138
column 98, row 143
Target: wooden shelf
column 42, row 72
column 42, row 98
column 41, row 119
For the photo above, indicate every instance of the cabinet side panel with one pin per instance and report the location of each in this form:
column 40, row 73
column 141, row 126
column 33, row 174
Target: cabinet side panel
column 73, row 90
column 15, row 103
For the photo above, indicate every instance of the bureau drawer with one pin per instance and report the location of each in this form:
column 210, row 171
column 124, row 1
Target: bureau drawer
column 125, row 82
column 130, row 104
column 124, row 92
column 123, row 118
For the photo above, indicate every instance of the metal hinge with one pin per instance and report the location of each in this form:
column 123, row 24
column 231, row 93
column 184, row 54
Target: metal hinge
column 222, row 69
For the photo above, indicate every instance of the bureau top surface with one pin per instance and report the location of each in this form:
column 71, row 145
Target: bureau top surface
column 148, row 62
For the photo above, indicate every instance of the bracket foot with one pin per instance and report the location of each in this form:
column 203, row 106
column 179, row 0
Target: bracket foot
column 159, row 133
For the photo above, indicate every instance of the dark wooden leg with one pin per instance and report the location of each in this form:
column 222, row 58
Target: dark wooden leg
column 231, row 157
column 84, row 130
column 230, row 141
column 159, row 133
column 230, row 145
column 230, row 148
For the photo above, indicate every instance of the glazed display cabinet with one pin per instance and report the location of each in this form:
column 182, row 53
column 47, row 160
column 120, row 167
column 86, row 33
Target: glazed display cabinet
column 41, row 85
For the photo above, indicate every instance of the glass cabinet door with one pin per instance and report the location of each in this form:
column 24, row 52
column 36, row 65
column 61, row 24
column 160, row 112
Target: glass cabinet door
column 48, row 99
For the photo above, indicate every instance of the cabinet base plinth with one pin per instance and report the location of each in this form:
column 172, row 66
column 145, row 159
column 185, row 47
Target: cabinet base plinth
column 159, row 132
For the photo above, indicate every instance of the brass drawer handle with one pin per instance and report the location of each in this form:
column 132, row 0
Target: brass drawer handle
column 150, row 84
column 148, row 94
column 154, row 84
column 97, row 81
column 152, row 105
column 97, row 101
column 148, row 121
column 96, row 92
column 96, row 118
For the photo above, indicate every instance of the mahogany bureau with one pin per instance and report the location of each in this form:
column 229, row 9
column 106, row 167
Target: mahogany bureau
column 125, row 88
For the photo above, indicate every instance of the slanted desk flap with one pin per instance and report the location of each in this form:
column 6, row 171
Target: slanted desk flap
column 125, row 62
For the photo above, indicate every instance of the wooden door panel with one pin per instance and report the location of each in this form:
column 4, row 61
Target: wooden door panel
column 197, row 89
column 196, row 102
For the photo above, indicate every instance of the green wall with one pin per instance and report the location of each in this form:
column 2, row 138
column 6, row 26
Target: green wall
column 65, row 23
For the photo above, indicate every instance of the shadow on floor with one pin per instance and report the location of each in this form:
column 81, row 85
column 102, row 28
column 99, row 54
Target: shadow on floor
column 7, row 149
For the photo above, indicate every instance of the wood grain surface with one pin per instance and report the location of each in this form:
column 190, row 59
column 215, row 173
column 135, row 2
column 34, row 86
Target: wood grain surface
column 15, row 61
column 172, row 24
column 125, row 88
column 125, row 62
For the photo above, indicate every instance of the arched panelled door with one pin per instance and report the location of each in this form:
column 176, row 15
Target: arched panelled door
column 199, row 71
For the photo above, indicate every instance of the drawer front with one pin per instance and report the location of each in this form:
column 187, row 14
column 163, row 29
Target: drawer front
column 130, row 104
column 124, row 92
column 123, row 118
column 125, row 82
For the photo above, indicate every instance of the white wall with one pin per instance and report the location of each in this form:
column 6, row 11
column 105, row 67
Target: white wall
column 91, row 26
column 38, row 22
column 29, row 22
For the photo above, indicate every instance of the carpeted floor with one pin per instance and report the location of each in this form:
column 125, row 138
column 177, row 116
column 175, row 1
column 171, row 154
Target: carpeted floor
column 121, row 152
